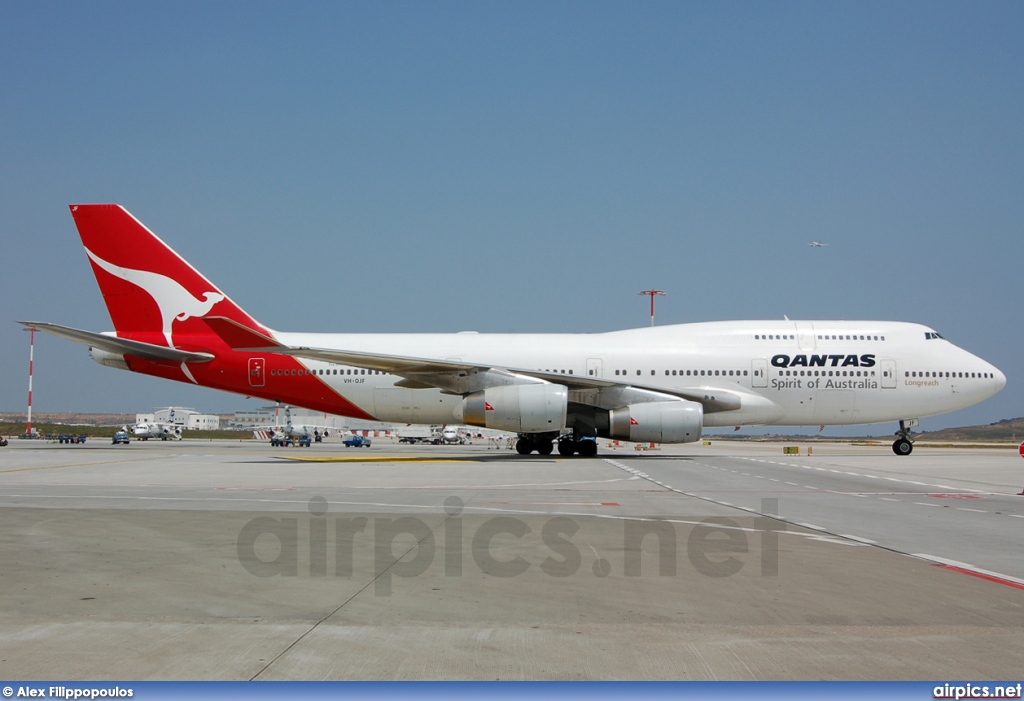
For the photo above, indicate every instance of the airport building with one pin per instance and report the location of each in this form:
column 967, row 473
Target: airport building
column 277, row 416
column 189, row 419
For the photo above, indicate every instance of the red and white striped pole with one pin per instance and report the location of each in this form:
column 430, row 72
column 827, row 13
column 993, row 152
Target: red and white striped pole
column 652, row 294
column 31, row 354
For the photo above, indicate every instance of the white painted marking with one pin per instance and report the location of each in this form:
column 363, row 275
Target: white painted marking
column 836, row 541
column 858, row 539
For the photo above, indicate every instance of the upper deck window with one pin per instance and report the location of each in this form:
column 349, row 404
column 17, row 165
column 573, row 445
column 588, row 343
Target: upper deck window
column 929, row 335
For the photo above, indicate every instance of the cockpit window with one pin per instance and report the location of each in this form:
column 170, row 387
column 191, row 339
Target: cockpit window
column 929, row 335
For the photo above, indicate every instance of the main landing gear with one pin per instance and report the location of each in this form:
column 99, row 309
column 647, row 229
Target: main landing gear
column 585, row 446
column 904, row 445
column 544, row 444
column 529, row 443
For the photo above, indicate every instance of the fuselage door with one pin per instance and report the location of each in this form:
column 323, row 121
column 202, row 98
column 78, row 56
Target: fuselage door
column 257, row 372
column 758, row 372
column 888, row 370
column 594, row 367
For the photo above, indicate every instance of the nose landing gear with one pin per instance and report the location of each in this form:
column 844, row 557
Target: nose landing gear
column 904, row 444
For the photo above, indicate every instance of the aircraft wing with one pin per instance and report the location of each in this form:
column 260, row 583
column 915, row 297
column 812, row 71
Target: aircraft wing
column 422, row 373
column 713, row 399
column 113, row 344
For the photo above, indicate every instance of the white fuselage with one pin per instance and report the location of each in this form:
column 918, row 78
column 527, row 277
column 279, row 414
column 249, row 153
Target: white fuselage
column 785, row 372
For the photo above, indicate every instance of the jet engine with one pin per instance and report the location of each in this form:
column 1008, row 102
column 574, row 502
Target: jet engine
column 659, row 422
column 535, row 408
column 111, row 360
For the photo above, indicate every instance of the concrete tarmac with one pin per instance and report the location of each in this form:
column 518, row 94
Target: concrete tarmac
column 233, row 560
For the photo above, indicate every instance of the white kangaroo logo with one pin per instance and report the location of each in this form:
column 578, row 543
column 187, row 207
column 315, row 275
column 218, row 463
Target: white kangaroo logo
column 173, row 300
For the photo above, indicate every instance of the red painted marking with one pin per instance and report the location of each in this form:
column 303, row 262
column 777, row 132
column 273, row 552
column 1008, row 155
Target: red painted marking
column 1021, row 450
column 633, row 422
column 979, row 575
column 488, row 407
column 954, row 496
column 555, row 503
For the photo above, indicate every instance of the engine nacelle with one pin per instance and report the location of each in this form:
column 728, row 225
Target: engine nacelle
column 521, row 408
column 111, row 360
column 658, row 422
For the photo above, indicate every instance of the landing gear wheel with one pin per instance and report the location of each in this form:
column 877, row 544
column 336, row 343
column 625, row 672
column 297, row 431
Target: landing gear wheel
column 588, row 449
column 902, row 447
column 545, row 447
column 524, row 446
column 567, row 447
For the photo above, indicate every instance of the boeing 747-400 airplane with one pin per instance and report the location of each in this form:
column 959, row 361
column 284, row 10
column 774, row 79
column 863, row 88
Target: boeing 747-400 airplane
column 660, row 384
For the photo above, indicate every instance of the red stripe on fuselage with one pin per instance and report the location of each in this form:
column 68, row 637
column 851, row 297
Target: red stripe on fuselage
column 290, row 383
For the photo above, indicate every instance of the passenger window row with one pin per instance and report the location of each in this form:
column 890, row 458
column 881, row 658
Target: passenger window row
column 695, row 373
column 349, row 371
column 929, row 373
column 821, row 337
column 853, row 337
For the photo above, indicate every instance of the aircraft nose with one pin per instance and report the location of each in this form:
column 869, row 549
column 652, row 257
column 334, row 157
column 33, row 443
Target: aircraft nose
column 1000, row 380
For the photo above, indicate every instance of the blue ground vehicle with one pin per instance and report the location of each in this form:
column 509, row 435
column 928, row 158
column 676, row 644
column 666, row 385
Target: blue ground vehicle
column 357, row 442
column 120, row 437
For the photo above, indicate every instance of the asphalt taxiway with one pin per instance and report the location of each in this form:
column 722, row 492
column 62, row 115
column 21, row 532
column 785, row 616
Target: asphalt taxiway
column 234, row 560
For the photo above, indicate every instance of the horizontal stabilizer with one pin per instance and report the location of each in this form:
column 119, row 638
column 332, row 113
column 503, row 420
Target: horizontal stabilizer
column 238, row 336
column 113, row 344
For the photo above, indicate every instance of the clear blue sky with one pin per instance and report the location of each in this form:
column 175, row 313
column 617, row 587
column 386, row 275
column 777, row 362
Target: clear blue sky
column 517, row 166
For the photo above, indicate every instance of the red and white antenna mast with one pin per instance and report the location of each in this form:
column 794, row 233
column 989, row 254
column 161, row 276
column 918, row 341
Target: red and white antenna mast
column 653, row 294
column 31, row 355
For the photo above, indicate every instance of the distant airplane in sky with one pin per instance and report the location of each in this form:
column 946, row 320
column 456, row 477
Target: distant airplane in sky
column 661, row 384
column 817, row 244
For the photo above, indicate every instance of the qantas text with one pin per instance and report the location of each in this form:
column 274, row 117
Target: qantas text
column 866, row 360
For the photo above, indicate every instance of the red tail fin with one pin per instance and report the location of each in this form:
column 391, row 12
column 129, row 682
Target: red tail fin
column 148, row 288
